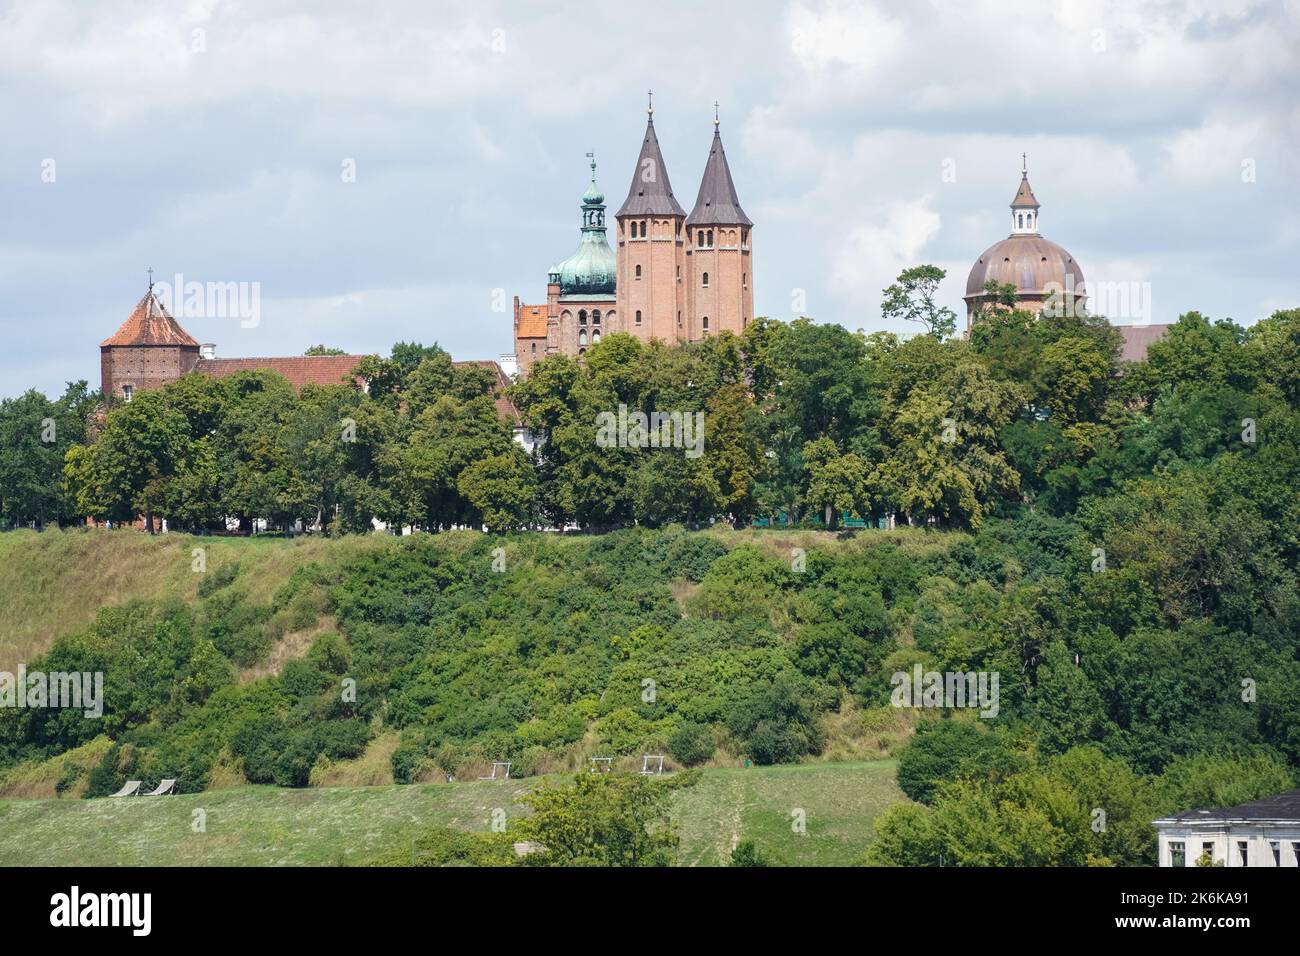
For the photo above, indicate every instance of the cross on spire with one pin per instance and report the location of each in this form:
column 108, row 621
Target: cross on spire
column 592, row 156
column 1024, row 164
column 716, row 121
column 151, row 278
column 650, row 103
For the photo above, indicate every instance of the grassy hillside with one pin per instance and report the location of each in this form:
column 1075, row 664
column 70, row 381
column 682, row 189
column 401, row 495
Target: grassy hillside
column 55, row 582
column 705, row 646
column 268, row 826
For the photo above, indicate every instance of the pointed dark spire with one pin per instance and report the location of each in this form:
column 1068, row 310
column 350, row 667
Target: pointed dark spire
column 1024, row 195
column 717, row 203
column 651, row 194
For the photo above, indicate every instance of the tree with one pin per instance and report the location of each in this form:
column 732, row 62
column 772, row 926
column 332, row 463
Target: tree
column 947, row 463
column 36, row 435
column 834, row 482
column 911, row 297
column 612, row 819
column 501, row 488
column 128, row 471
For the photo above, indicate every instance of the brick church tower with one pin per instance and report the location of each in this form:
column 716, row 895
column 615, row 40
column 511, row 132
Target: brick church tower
column 651, row 289
column 720, row 294
column 148, row 351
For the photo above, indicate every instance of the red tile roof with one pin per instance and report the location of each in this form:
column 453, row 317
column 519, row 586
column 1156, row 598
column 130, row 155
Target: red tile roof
column 1138, row 338
column 150, row 324
column 298, row 369
column 532, row 322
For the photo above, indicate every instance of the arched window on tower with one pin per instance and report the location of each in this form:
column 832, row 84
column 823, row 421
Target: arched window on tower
column 638, row 316
column 710, row 239
column 643, row 232
column 595, row 317
column 705, row 325
column 595, row 336
column 582, row 316
column 638, row 271
column 744, row 280
column 582, row 336
column 706, row 280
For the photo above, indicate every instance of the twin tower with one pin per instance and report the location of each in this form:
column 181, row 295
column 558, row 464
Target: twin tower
column 675, row 276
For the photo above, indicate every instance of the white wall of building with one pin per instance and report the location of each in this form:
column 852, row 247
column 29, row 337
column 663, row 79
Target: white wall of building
column 1225, row 840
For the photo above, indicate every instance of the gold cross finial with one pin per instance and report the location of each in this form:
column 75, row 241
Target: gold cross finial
column 716, row 121
column 650, row 103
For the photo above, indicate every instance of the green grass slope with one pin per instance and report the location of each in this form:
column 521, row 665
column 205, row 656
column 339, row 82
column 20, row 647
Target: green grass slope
column 54, row 582
column 331, row 826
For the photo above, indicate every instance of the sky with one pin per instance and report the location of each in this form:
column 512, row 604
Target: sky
column 398, row 171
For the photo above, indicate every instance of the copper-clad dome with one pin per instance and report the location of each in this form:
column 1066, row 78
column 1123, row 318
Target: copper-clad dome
column 1029, row 262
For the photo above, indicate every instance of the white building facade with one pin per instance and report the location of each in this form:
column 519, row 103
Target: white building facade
column 1265, row 833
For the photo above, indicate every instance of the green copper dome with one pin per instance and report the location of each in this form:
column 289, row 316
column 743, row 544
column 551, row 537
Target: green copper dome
column 591, row 270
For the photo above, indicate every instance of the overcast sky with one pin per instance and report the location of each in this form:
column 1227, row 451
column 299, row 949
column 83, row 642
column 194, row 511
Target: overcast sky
column 210, row 139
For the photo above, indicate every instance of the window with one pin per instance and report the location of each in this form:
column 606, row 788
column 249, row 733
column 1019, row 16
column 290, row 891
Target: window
column 744, row 280
column 582, row 316
column 679, row 318
column 1277, row 852
column 679, row 273
column 1243, row 851
column 643, row 232
column 638, row 272
column 677, row 232
column 595, row 336
column 582, row 336
column 1177, row 853
column 534, row 348
column 1207, row 850
column 744, row 323
column 706, row 323
column 127, row 392
column 595, row 317
column 1295, row 851
column 638, row 316
column 706, row 280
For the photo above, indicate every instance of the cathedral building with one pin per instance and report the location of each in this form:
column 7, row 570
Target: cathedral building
column 1040, row 269
column 1036, row 266
column 670, row 276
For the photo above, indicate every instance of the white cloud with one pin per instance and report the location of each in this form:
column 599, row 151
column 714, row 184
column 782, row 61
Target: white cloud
column 871, row 256
column 842, row 33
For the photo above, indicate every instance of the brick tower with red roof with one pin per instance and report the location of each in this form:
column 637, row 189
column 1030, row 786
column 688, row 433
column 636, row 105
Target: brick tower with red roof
column 148, row 351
